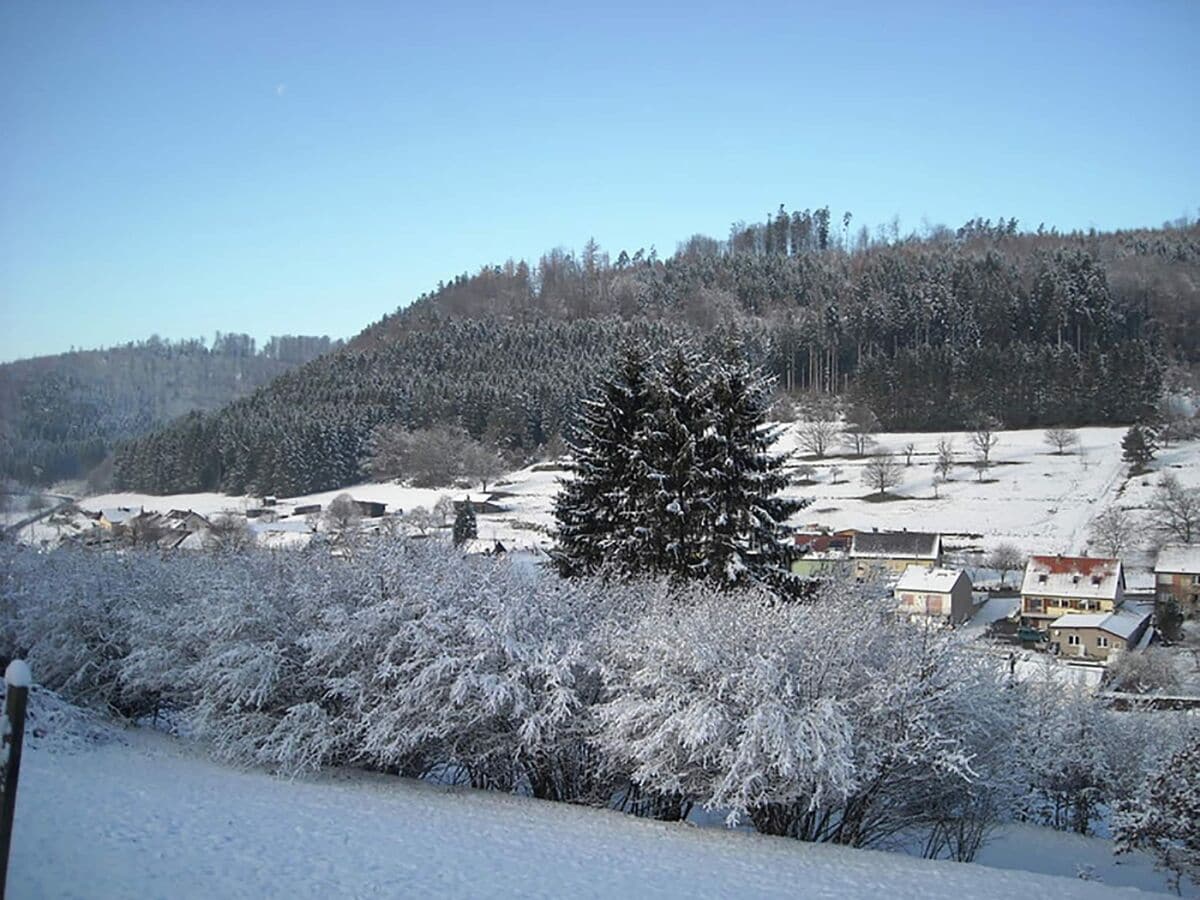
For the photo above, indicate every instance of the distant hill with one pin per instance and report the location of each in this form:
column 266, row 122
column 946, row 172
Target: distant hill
column 931, row 331
column 60, row 416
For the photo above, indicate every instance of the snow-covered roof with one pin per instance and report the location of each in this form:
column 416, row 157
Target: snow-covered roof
column 1073, row 576
column 1124, row 623
column 120, row 515
column 929, row 580
column 1179, row 559
column 896, row 545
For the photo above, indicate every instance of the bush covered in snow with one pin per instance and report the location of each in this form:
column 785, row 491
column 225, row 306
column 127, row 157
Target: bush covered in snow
column 827, row 720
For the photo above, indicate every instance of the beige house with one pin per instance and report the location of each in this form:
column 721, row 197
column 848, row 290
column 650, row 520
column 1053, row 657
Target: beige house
column 884, row 553
column 1177, row 574
column 1098, row 635
column 1056, row 586
column 943, row 594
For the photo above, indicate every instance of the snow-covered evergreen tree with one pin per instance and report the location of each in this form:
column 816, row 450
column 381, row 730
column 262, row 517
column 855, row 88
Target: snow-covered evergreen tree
column 674, row 475
column 742, row 479
column 598, row 509
column 465, row 524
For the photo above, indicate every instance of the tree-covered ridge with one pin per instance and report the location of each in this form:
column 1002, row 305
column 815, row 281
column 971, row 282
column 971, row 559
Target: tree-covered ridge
column 929, row 332
column 61, row 415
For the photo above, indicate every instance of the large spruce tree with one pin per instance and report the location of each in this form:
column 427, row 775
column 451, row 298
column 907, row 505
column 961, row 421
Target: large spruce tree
column 674, row 474
column 598, row 512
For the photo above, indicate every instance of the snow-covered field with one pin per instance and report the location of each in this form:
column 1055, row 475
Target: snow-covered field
column 106, row 813
column 1040, row 501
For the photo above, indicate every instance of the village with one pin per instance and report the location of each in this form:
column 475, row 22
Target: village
column 1028, row 594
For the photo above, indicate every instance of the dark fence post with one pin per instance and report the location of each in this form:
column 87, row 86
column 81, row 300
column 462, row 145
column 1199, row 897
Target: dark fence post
column 17, row 679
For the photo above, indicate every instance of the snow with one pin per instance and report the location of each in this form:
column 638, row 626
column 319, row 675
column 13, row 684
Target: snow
column 143, row 814
column 1179, row 559
column 1065, row 576
column 1122, row 623
column 928, row 579
column 17, row 674
column 1033, row 498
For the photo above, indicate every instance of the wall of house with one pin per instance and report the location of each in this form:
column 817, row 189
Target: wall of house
column 1184, row 588
column 1089, row 646
column 954, row 606
column 868, row 567
column 1052, row 607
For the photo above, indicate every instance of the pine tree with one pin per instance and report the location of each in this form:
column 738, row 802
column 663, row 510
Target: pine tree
column 465, row 527
column 597, row 508
column 741, row 480
column 674, row 475
column 1138, row 446
column 671, row 536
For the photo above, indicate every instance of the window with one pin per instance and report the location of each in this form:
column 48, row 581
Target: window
column 1102, row 641
column 1041, row 579
column 1073, row 640
column 1033, row 604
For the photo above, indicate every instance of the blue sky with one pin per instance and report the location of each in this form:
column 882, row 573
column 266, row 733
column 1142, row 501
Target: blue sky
column 179, row 168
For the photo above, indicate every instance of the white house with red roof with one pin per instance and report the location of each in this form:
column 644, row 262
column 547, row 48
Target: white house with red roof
column 1056, row 586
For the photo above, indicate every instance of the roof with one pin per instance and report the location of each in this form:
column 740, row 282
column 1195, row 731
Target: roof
column 896, row 545
column 1124, row 623
column 1179, row 559
column 120, row 515
column 1073, row 576
column 930, row 580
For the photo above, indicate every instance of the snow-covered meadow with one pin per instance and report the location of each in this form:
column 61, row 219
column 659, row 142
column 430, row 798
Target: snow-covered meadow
column 1032, row 497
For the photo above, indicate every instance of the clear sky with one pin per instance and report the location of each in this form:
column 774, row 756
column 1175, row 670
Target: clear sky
column 180, row 168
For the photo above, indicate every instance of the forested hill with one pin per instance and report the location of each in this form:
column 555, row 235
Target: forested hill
column 929, row 331
column 61, row 415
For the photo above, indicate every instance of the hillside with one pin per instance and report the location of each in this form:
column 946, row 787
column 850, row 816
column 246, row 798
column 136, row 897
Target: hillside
column 61, row 415
column 1032, row 497
column 930, row 332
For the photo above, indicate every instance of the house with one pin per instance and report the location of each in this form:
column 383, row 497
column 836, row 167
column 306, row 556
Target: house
column 891, row 552
column 937, row 593
column 309, row 510
column 1177, row 575
column 117, row 516
column 1098, row 635
column 480, row 506
column 370, row 509
column 1056, row 586
column 185, row 520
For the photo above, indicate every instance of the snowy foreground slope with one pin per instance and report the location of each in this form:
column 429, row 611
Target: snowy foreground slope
column 140, row 814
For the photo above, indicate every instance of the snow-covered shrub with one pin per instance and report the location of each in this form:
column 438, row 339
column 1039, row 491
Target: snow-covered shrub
column 1144, row 672
column 1165, row 817
column 822, row 721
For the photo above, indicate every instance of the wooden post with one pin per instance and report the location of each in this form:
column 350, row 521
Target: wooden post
column 17, row 680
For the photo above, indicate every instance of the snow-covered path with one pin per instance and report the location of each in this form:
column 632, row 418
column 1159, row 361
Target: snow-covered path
column 145, row 816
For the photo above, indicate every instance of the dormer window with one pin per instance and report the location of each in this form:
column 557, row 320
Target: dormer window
column 1041, row 579
column 1095, row 579
column 1075, row 579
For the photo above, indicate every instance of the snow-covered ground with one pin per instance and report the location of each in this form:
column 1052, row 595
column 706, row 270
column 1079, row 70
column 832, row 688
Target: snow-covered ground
column 1031, row 497
column 105, row 813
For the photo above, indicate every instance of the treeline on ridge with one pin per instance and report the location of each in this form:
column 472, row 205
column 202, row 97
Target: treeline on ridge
column 61, row 415
column 935, row 331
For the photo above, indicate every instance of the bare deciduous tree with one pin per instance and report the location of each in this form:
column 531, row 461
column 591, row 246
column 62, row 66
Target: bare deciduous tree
column 882, row 472
column 342, row 514
column 1112, row 530
column 1061, row 438
column 944, row 466
column 443, row 510
column 859, row 432
column 909, row 449
column 420, row 518
column 1175, row 511
column 1005, row 558
column 817, row 435
column 228, row 532
column 984, row 438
